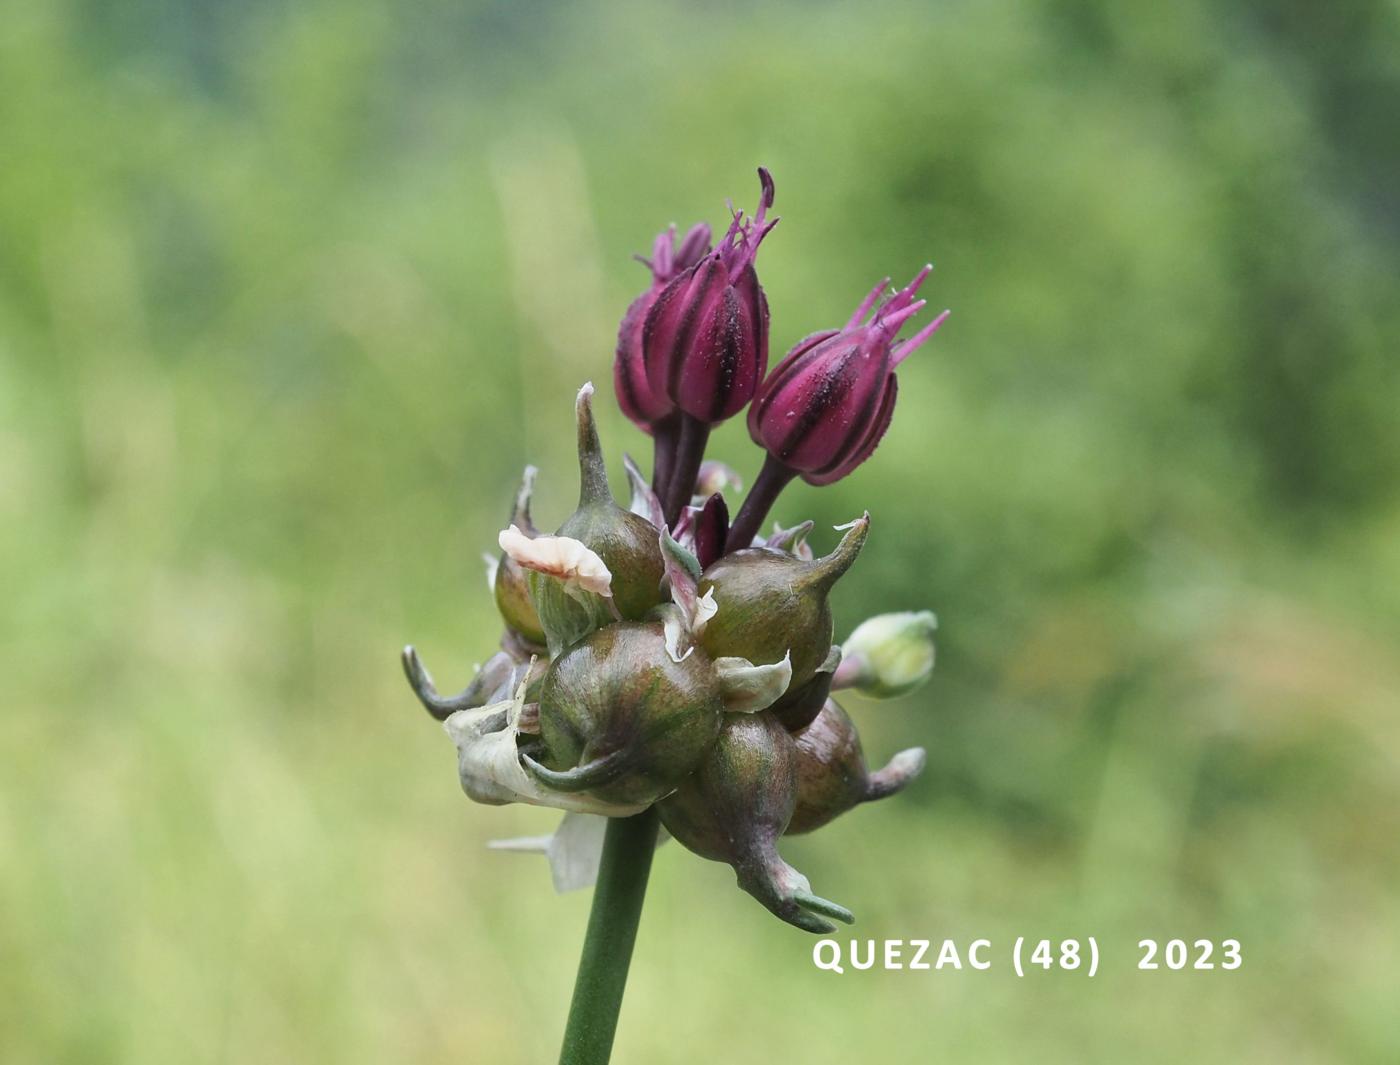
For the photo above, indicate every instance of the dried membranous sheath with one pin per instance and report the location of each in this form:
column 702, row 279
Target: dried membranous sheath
column 669, row 656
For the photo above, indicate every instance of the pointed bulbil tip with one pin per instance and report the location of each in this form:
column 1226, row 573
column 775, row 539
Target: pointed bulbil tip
column 584, row 397
column 520, row 510
column 902, row 769
column 442, row 707
column 592, row 774
column 825, row 907
column 593, row 472
column 421, row 681
column 827, row 570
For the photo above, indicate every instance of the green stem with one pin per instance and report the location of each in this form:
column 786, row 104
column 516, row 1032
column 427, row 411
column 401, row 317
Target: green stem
column 607, row 946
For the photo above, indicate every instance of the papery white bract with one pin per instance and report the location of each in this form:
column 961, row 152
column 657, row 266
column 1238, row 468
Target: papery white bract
column 562, row 557
column 488, row 761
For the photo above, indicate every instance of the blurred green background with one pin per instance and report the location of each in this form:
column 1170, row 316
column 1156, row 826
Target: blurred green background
column 289, row 293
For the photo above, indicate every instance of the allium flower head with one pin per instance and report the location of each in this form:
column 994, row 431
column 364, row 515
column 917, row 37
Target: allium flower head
column 825, row 407
column 664, row 665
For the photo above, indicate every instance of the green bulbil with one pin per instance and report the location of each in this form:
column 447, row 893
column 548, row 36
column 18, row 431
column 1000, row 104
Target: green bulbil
column 772, row 603
column 511, row 584
column 621, row 719
column 627, row 544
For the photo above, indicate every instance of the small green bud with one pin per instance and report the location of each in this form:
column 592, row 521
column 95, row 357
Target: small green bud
column 737, row 804
column 625, row 542
column 771, row 603
column 622, row 719
column 889, row 655
column 831, row 772
column 510, row 582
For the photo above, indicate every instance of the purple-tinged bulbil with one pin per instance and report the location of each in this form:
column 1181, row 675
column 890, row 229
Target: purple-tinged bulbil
column 736, row 805
column 831, row 773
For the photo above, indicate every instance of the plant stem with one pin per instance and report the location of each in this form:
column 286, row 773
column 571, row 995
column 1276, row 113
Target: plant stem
column 607, row 946
column 664, row 439
column 690, row 452
column 771, row 481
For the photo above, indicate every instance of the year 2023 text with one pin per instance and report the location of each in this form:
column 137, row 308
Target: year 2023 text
column 1027, row 955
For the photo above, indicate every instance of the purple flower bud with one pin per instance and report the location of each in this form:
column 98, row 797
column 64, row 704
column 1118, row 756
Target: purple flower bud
column 711, row 528
column 638, row 400
column 825, row 407
column 705, row 339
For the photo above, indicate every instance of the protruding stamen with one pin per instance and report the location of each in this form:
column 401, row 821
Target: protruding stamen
column 906, row 295
column 875, row 294
column 890, row 322
column 904, row 350
column 740, row 244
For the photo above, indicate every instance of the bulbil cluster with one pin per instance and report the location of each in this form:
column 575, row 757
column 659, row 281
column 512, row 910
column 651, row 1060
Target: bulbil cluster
column 660, row 654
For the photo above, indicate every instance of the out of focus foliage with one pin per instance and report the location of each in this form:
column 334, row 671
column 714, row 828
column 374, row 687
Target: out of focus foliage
column 289, row 294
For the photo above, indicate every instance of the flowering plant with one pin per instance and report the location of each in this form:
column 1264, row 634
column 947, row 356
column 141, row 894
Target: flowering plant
column 662, row 666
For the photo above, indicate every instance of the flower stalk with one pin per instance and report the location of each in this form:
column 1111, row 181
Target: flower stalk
column 689, row 454
column 769, row 484
column 607, row 945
